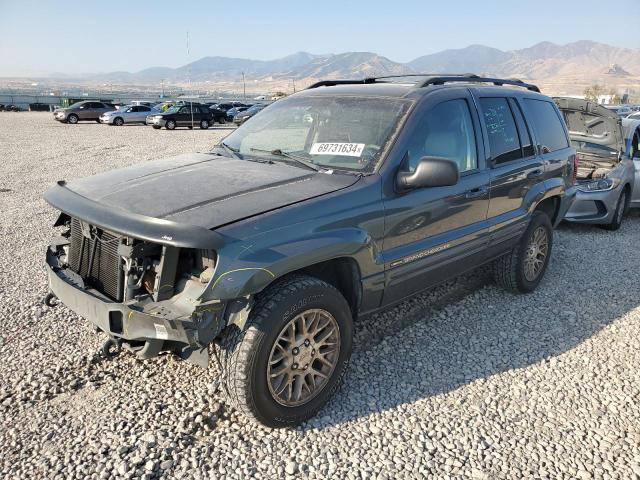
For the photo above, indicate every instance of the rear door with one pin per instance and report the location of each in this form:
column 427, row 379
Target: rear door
column 433, row 233
column 139, row 113
column 85, row 111
column 514, row 165
column 183, row 117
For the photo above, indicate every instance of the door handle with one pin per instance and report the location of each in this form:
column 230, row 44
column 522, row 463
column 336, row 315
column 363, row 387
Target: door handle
column 536, row 173
column 475, row 192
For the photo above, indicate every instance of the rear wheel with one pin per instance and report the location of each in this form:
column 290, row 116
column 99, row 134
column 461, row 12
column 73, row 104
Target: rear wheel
column 222, row 120
column 118, row 121
column 204, row 124
column 618, row 215
column 170, row 125
column 288, row 361
column 522, row 269
column 73, row 119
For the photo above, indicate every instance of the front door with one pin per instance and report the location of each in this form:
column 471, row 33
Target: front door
column 431, row 233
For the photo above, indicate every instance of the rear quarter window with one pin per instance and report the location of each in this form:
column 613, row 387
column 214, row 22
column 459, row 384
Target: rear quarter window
column 547, row 124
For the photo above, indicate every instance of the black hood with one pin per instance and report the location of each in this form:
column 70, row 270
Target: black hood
column 206, row 190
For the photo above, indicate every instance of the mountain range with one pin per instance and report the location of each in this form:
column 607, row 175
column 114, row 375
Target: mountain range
column 571, row 66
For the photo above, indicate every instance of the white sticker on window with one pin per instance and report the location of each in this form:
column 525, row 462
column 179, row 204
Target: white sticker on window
column 161, row 331
column 347, row 149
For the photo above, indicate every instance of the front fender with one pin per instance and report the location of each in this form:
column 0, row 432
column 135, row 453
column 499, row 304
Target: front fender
column 259, row 261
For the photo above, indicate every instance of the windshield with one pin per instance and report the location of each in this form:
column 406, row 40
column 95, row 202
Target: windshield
column 343, row 132
column 173, row 109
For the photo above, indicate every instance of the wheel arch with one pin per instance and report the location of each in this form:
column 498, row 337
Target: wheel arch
column 550, row 206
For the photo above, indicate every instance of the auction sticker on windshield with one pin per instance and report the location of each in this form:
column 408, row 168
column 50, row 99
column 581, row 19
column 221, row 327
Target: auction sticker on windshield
column 348, row 149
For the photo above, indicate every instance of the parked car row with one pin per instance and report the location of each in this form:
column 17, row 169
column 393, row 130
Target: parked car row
column 9, row 108
column 169, row 115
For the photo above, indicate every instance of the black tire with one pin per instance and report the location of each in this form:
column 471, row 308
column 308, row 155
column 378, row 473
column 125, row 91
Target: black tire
column 204, row 124
column 97, row 120
column 618, row 215
column 118, row 121
column 222, row 120
column 509, row 270
column 246, row 353
column 157, row 127
column 170, row 125
column 72, row 119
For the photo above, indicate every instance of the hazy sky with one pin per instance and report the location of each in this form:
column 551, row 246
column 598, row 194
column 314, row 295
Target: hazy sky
column 87, row 36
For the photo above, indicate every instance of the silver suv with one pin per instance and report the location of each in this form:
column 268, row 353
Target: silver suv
column 86, row 110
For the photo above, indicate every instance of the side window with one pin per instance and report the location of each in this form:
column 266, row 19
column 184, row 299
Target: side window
column 525, row 136
column 547, row 125
column 143, row 108
column 446, row 130
column 184, row 110
column 504, row 144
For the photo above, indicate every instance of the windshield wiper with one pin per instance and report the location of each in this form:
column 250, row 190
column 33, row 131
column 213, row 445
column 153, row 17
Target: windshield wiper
column 230, row 150
column 279, row 153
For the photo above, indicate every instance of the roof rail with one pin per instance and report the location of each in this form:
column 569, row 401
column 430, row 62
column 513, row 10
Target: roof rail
column 368, row 80
column 431, row 79
column 332, row 83
column 442, row 79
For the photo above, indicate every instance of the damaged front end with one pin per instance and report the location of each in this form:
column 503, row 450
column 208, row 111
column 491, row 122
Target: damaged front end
column 596, row 134
column 141, row 283
column 604, row 171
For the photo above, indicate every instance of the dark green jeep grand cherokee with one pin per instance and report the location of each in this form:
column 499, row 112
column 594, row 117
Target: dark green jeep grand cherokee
column 328, row 205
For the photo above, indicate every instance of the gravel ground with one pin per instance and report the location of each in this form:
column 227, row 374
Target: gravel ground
column 463, row 382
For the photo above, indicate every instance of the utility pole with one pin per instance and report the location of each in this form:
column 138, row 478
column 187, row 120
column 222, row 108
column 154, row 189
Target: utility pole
column 244, row 88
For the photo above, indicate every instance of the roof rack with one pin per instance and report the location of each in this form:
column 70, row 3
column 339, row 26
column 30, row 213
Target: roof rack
column 442, row 79
column 432, row 79
column 333, row 83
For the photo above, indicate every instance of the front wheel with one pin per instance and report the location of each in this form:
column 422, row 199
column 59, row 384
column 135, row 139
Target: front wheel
column 293, row 352
column 618, row 215
column 204, row 124
column 522, row 269
column 118, row 122
column 170, row 125
column 222, row 120
column 72, row 119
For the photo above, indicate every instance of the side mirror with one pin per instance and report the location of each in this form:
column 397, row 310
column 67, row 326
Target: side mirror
column 430, row 172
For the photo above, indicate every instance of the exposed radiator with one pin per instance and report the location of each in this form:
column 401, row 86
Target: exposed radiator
column 106, row 275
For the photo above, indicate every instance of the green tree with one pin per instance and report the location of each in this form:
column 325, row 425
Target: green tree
column 593, row 92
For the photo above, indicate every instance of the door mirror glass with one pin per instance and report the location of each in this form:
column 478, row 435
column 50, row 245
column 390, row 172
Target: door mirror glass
column 430, row 172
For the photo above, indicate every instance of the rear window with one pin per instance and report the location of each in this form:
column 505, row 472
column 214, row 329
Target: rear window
column 547, row 125
column 504, row 143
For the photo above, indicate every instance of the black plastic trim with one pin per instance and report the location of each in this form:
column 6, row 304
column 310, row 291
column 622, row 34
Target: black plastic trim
column 151, row 229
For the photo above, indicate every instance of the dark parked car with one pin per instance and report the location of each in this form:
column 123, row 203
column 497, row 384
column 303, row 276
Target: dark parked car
column 86, row 110
column 229, row 105
column 332, row 204
column 242, row 117
column 186, row 115
column 232, row 112
column 219, row 116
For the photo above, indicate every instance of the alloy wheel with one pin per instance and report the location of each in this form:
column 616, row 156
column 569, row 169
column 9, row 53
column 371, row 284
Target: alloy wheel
column 536, row 254
column 303, row 357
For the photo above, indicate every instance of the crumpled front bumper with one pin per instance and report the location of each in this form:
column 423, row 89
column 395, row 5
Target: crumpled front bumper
column 128, row 322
